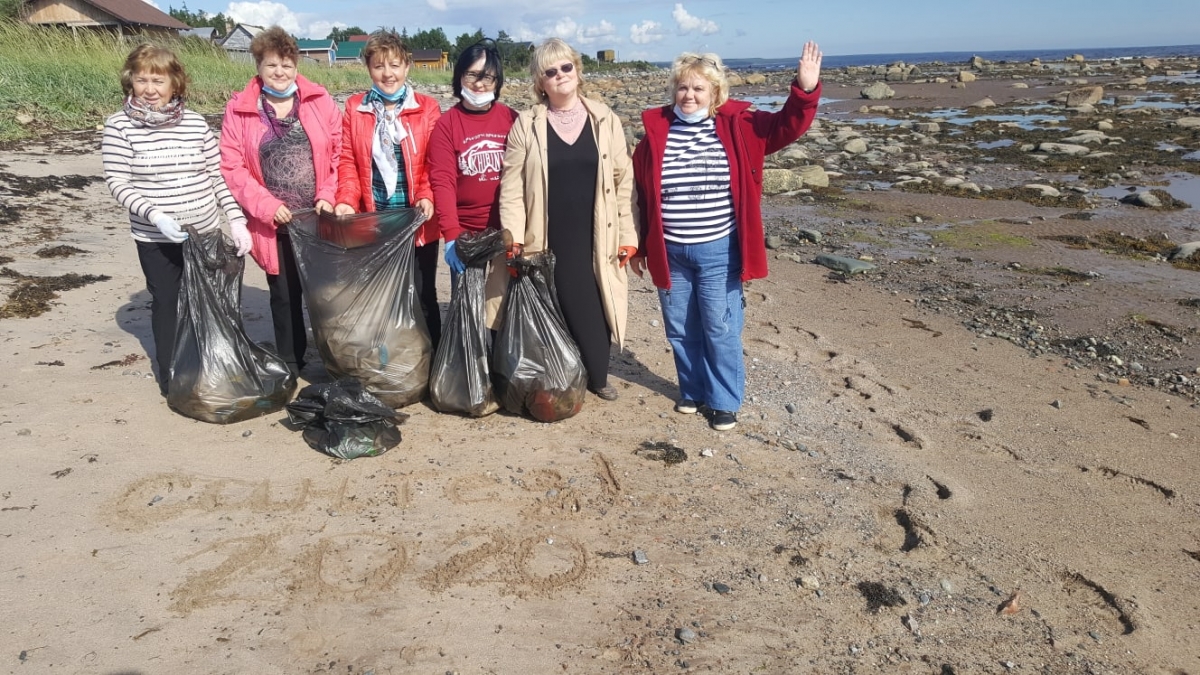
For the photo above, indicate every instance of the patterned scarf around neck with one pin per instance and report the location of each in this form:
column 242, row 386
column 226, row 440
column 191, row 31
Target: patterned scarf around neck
column 389, row 132
column 145, row 116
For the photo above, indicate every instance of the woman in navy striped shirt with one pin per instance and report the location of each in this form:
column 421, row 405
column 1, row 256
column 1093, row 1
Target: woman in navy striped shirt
column 162, row 163
column 698, row 172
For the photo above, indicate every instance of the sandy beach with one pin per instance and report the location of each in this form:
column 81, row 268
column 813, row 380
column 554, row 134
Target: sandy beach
column 939, row 468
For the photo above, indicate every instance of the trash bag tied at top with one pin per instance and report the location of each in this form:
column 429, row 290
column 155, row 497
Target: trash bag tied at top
column 461, row 379
column 357, row 274
column 536, row 366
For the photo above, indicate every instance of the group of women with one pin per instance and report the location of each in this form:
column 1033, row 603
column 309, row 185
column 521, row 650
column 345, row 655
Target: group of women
column 558, row 176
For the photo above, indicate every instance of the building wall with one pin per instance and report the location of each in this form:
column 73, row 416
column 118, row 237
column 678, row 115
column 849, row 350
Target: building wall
column 67, row 11
column 238, row 41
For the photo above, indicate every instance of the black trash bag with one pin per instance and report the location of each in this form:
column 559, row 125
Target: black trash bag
column 342, row 419
column 357, row 274
column 536, row 366
column 218, row 374
column 460, row 381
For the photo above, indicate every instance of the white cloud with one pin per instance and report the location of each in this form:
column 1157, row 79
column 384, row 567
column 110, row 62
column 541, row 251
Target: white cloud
column 267, row 13
column 646, row 32
column 688, row 23
column 567, row 29
column 439, row 5
column 603, row 31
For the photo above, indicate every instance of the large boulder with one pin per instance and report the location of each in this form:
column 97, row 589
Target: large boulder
column 1085, row 96
column 983, row 103
column 1188, row 122
column 778, row 181
column 966, row 76
column 855, row 146
column 877, row 91
column 812, row 175
column 756, row 78
column 1063, row 149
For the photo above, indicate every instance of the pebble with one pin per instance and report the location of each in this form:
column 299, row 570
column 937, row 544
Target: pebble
column 247, row 433
column 706, row 452
column 552, row 493
column 685, row 635
column 654, row 323
column 639, row 558
column 790, row 408
column 24, row 432
column 721, row 588
column 1057, row 404
column 925, row 598
column 946, row 585
column 810, row 582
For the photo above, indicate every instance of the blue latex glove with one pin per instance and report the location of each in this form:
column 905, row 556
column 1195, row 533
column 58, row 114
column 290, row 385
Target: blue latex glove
column 452, row 258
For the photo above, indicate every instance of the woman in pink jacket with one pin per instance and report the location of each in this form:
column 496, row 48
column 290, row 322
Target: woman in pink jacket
column 280, row 142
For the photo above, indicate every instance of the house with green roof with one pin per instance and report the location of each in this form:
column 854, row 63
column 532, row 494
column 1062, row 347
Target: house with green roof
column 321, row 51
column 350, row 51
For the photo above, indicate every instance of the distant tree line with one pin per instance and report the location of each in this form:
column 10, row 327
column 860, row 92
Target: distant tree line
column 200, row 18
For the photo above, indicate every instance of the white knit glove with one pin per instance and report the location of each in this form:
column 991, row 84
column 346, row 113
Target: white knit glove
column 241, row 238
column 170, row 229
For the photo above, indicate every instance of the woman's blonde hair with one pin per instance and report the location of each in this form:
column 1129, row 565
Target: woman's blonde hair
column 148, row 58
column 707, row 66
column 547, row 54
column 386, row 43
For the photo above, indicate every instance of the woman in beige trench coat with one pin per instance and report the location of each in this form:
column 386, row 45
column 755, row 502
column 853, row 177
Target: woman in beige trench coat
column 567, row 186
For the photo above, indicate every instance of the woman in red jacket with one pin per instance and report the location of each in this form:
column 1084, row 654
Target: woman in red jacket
column 698, row 172
column 385, row 137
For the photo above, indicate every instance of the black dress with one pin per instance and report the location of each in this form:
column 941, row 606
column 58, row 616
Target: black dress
column 570, row 232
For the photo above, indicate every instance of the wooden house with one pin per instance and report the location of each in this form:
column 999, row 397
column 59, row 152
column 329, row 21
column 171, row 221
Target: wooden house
column 431, row 59
column 239, row 37
column 123, row 17
column 606, row 56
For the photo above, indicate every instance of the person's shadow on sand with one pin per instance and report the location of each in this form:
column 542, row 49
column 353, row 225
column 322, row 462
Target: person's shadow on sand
column 133, row 317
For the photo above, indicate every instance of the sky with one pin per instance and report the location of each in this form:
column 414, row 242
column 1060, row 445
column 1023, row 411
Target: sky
column 658, row 30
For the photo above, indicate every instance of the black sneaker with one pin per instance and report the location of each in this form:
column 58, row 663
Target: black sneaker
column 722, row 420
column 686, row 406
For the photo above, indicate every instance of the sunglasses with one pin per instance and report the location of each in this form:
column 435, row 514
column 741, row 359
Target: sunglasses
column 553, row 72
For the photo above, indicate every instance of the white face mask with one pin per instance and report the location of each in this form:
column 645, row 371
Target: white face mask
column 691, row 118
column 478, row 100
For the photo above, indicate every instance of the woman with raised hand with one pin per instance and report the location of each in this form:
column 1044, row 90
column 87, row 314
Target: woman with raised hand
column 567, row 186
column 466, row 154
column 280, row 141
column 699, row 181
column 385, row 142
column 162, row 164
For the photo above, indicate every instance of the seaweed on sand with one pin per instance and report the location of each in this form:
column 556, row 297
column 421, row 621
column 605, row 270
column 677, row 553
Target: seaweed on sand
column 32, row 295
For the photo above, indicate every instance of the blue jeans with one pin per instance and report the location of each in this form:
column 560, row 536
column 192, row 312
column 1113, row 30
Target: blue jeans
column 704, row 312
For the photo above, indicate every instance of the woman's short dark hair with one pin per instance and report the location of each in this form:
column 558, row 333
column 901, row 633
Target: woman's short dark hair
column 492, row 64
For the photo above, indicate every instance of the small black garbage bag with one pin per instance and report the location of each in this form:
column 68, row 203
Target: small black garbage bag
column 218, row 374
column 460, row 381
column 536, row 366
column 342, row 419
column 357, row 274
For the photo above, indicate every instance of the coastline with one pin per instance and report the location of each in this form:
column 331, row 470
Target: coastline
column 924, row 478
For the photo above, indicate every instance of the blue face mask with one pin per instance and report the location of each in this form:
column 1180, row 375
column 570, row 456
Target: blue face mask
column 280, row 94
column 392, row 98
column 691, row 118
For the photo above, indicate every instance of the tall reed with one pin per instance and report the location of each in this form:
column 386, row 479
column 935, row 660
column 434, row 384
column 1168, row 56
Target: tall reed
column 65, row 80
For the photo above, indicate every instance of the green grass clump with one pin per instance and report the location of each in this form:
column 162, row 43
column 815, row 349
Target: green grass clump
column 66, row 80
column 978, row 235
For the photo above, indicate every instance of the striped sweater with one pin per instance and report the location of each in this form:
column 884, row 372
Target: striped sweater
column 697, row 204
column 174, row 170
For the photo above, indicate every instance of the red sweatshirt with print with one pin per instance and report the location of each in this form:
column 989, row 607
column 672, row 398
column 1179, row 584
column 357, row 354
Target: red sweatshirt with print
column 466, row 154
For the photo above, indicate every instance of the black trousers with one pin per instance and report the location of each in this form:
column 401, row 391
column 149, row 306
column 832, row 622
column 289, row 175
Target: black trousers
column 287, row 305
column 425, row 281
column 162, row 265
